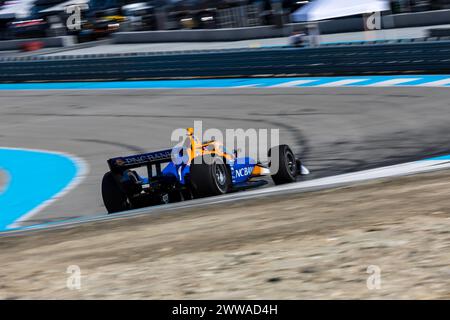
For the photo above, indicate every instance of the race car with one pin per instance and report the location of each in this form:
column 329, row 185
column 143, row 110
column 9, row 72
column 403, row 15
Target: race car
column 194, row 170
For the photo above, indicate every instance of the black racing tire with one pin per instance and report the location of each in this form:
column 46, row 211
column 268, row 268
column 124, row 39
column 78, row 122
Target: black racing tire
column 283, row 158
column 114, row 198
column 210, row 178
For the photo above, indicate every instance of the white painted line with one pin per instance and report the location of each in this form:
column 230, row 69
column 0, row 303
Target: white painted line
column 392, row 82
column 341, row 83
column 348, row 178
column 291, row 83
column 247, row 86
column 438, row 83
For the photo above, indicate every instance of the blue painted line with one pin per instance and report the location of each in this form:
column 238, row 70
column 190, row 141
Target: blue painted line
column 376, row 79
column 327, row 80
column 425, row 80
column 441, row 158
column 35, row 177
column 221, row 83
column 383, row 41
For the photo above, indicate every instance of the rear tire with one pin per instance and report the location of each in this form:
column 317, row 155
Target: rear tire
column 283, row 158
column 210, row 179
column 114, row 198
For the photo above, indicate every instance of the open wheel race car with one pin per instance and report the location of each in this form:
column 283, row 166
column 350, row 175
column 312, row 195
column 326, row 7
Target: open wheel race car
column 193, row 171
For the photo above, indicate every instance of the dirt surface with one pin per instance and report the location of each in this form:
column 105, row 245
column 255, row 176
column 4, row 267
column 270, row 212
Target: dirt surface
column 303, row 246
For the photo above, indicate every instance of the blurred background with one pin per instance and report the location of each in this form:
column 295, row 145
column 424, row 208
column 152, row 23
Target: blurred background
column 21, row 19
column 391, row 60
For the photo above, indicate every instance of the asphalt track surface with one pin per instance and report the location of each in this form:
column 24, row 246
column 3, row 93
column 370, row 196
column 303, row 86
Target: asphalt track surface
column 335, row 130
column 3, row 180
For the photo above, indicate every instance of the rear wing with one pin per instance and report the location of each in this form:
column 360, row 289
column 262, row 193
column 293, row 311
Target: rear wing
column 121, row 164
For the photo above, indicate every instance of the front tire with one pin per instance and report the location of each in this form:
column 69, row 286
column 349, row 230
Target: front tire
column 283, row 164
column 114, row 198
column 210, row 178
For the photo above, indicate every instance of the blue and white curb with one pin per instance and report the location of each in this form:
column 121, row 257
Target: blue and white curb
column 410, row 168
column 235, row 83
column 35, row 179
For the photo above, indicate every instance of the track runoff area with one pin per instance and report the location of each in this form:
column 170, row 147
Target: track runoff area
column 73, row 170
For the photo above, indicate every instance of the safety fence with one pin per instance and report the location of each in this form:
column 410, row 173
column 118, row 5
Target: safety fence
column 431, row 57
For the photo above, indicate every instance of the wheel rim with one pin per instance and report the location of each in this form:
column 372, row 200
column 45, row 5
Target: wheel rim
column 221, row 176
column 290, row 159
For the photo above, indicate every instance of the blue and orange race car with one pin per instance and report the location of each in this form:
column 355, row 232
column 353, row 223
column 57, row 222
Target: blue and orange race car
column 193, row 171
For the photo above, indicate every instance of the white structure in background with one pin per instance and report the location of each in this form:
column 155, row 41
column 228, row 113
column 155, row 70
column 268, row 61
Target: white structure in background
column 328, row 9
column 16, row 9
column 84, row 4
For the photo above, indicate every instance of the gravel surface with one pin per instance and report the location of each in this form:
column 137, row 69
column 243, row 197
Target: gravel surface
column 303, row 246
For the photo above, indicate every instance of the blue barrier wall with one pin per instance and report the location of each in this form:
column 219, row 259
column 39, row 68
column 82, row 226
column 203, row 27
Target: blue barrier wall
column 422, row 57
